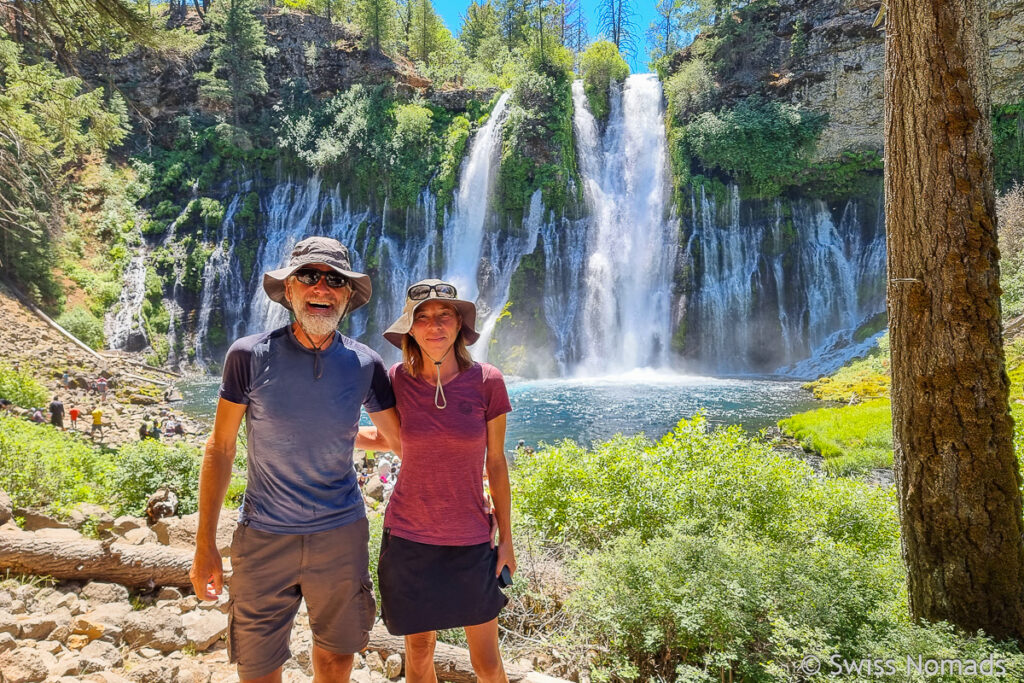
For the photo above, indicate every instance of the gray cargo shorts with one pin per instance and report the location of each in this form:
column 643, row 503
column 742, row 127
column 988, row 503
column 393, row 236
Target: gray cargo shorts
column 272, row 573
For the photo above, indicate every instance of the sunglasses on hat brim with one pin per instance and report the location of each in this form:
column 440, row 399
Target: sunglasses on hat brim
column 442, row 290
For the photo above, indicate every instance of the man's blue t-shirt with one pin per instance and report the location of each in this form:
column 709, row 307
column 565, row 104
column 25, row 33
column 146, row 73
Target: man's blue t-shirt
column 301, row 430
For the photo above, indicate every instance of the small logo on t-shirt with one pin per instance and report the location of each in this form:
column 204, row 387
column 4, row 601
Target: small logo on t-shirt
column 465, row 407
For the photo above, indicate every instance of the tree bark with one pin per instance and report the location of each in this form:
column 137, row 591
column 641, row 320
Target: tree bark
column 130, row 565
column 450, row 662
column 957, row 478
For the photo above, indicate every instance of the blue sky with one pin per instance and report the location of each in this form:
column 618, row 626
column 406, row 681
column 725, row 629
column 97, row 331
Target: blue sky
column 452, row 10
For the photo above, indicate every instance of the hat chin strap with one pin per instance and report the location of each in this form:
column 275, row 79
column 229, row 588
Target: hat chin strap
column 440, row 402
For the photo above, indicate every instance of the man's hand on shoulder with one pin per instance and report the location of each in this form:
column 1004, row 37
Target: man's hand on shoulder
column 207, row 573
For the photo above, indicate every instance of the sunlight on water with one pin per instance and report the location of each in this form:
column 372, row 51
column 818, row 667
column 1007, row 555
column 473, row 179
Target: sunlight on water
column 593, row 409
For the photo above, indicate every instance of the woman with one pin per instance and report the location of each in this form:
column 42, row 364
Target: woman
column 438, row 564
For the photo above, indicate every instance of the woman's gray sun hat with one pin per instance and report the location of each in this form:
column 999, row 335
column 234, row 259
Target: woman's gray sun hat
column 466, row 309
column 313, row 250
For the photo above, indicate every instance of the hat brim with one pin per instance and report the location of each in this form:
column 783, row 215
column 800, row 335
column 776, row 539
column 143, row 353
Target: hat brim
column 273, row 285
column 401, row 327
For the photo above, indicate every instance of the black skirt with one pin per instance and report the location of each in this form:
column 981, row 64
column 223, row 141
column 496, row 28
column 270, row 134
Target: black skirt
column 427, row 587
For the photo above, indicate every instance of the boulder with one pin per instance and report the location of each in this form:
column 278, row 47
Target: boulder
column 143, row 400
column 86, row 514
column 68, row 665
column 106, row 654
column 156, row 671
column 140, row 536
column 37, row 519
column 25, row 665
column 99, row 592
column 393, row 666
column 60, row 534
column 203, row 629
column 154, row 627
column 7, row 624
column 374, row 488
column 7, row 641
column 374, row 662
column 125, row 523
column 39, row 626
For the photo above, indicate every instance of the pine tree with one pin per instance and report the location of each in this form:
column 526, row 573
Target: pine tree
column 618, row 25
column 423, row 31
column 376, row 19
column 240, row 42
column 479, row 24
column 664, row 33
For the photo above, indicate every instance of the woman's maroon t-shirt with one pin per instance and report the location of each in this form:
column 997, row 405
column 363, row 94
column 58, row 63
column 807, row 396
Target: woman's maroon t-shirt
column 439, row 495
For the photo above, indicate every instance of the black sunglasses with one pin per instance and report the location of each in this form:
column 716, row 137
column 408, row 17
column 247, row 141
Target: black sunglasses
column 311, row 276
column 443, row 291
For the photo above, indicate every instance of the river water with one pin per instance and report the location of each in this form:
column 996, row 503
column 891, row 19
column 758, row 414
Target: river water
column 593, row 409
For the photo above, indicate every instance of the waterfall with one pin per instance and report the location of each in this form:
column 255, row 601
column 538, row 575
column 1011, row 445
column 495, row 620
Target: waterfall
column 626, row 309
column 124, row 327
column 782, row 283
column 463, row 234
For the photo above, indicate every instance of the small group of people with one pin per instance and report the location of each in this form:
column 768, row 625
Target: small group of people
column 156, row 427
column 446, row 550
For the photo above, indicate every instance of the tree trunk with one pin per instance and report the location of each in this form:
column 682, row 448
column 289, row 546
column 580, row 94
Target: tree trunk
column 958, row 482
column 130, row 565
column 450, row 662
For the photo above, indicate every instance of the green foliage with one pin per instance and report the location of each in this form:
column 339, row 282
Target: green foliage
column 427, row 32
column 600, row 66
column 83, row 325
column 851, row 439
column 141, row 467
column 480, row 25
column 690, row 89
column 43, row 467
column 864, row 378
column 447, row 176
column 762, row 142
column 853, row 174
column 21, row 388
column 48, row 123
column 537, row 141
column 376, row 20
column 707, row 556
column 1008, row 144
column 239, row 42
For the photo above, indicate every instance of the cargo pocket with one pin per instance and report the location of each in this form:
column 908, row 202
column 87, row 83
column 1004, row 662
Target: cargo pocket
column 369, row 603
column 232, row 650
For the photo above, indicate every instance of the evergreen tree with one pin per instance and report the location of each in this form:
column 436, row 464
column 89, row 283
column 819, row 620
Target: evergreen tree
column 514, row 21
column 665, row 33
column 479, row 24
column 576, row 36
column 239, row 41
column 376, row 19
column 423, row 38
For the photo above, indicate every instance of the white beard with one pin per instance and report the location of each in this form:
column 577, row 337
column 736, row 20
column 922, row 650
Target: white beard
column 317, row 325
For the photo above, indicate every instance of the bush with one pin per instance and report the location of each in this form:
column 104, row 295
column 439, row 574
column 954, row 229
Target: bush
column 83, row 325
column 22, row 389
column 600, row 65
column 142, row 467
column 42, row 467
column 690, row 89
column 762, row 142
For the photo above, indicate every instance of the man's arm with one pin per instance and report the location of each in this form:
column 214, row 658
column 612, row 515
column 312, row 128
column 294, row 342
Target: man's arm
column 388, row 432
column 501, row 492
column 207, row 572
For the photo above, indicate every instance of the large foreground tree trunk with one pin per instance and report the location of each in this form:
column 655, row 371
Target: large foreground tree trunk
column 959, row 487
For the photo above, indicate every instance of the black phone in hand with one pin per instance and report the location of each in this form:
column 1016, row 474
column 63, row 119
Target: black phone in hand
column 505, row 578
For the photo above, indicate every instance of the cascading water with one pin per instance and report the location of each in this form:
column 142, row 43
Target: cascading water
column 464, row 230
column 631, row 244
column 124, row 327
column 781, row 284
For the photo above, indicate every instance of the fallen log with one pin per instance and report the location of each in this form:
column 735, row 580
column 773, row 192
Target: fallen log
column 137, row 566
column 450, row 662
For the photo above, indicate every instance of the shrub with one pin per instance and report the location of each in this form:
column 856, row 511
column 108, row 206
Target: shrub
column 42, row 467
column 690, row 89
column 84, row 325
column 762, row 142
column 600, row 66
column 140, row 468
column 21, row 388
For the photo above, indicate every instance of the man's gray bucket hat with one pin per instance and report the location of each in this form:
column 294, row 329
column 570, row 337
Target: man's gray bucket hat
column 313, row 250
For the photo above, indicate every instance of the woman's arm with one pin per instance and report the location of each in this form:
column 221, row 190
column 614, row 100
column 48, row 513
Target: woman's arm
column 501, row 492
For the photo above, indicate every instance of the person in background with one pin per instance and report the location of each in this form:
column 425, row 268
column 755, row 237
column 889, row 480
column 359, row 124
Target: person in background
column 57, row 413
column 438, row 565
column 37, row 416
column 97, row 422
column 73, row 414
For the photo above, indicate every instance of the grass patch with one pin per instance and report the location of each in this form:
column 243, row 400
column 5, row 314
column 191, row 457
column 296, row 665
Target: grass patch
column 852, row 439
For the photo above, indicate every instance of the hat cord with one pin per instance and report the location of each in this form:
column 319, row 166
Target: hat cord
column 439, row 390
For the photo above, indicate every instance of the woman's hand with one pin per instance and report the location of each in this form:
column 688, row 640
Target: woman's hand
column 506, row 557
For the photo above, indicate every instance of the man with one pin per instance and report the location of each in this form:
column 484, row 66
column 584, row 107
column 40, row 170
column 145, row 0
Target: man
column 57, row 413
column 302, row 529
column 97, row 423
